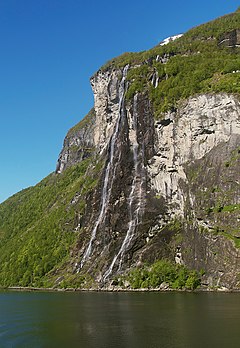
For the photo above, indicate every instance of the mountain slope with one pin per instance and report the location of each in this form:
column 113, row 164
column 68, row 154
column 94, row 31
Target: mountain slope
column 152, row 173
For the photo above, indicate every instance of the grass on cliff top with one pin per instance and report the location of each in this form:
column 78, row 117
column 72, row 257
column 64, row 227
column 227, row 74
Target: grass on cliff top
column 87, row 120
column 38, row 226
column 191, row 42
column 196, row 64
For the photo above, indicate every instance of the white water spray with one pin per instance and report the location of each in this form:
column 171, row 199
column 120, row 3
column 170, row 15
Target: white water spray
column 107, row 184
column 135, row 201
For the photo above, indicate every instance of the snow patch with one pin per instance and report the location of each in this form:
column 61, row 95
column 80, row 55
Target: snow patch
column 170, row 39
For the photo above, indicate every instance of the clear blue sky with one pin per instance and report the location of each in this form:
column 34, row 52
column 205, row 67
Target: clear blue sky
column 50, row 49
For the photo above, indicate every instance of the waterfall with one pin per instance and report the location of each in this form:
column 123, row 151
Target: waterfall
column 108, row 179
column 135, row 200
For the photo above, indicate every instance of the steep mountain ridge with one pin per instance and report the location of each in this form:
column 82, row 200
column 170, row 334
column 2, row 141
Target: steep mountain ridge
column 152, row 173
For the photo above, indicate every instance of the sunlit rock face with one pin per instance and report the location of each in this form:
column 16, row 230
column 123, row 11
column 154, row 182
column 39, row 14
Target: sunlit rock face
column 191, row 170
column 200, row 125
column 168, row 188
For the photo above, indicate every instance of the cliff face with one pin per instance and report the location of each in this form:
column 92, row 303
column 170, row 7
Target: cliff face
column 151, row 173
column 78, row 143
column 124, row 136
column 169, row 187
column 196, row 170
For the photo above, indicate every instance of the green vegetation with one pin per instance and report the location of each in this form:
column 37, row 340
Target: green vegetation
column 196, row 64
column 235, row 239
column 220, row 208
column 190, row 42
column 235, row 155
column 162, row 271
column 190, row 75
column 87, row 120
column 77, row 281
column 38, row 225
column 138, row 79
column 226, row 208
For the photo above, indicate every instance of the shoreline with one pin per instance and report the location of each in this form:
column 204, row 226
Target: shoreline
column 117, row 289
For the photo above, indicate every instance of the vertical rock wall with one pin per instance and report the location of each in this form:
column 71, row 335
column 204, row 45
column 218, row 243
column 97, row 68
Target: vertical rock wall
column 147, row 205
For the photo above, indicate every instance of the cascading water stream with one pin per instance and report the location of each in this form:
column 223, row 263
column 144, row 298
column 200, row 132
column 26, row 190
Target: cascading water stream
column 135, row 201
column 107, row 184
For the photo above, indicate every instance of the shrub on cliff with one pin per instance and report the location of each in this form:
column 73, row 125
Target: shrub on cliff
column 162, row 271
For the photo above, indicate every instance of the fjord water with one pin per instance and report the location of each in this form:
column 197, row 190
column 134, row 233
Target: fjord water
column 119, row 320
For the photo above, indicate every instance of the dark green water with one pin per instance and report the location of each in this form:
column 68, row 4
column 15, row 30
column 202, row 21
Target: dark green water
column 114, row 320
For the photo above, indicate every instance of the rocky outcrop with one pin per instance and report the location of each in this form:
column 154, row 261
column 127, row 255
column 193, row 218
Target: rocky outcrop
column 169, row 187
column 187, row 135
column 230, row 39
column 125, row 138
column 105, row 86
column 78, row 143
column 191, row 170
